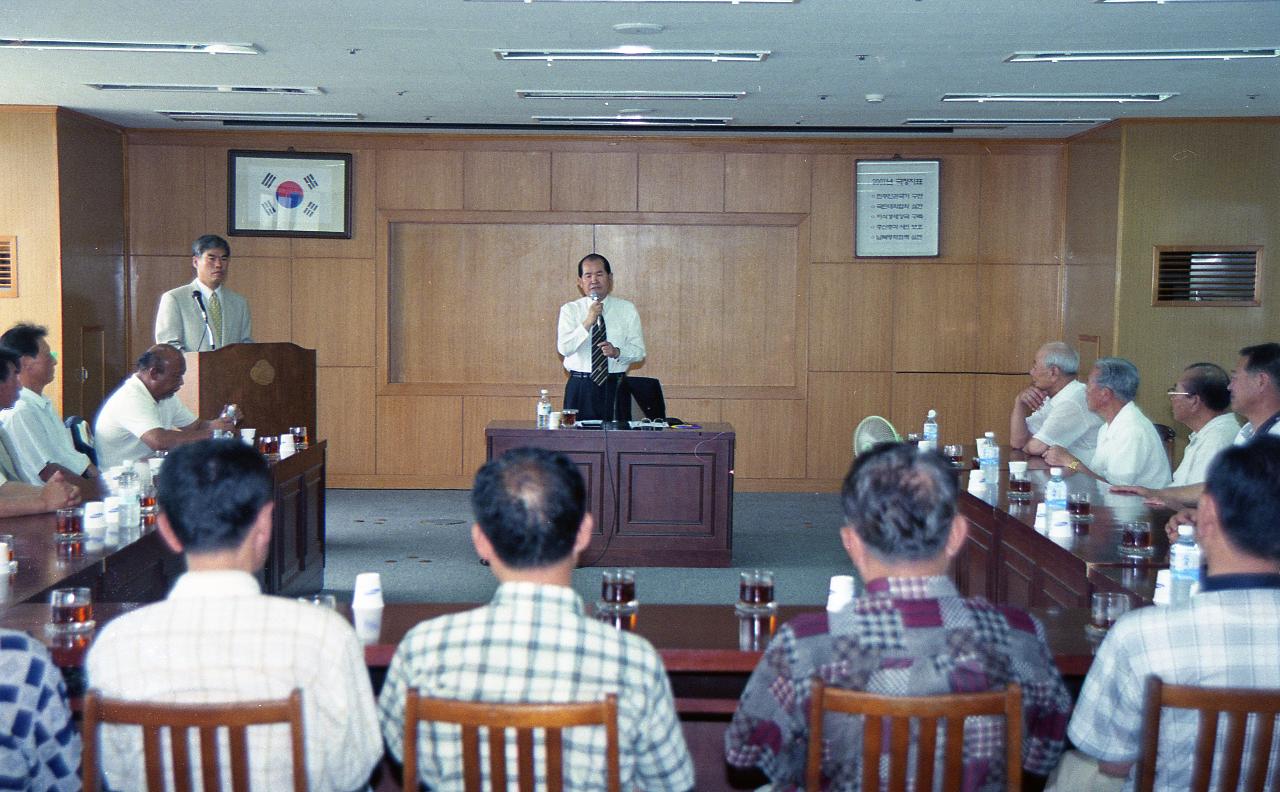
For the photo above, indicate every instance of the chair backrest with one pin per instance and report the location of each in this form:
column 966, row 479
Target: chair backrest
column 900, row 713
column 551, row 719
column 207, row 720
column 82, row 437
column 1237, row 704
column 1166, row 437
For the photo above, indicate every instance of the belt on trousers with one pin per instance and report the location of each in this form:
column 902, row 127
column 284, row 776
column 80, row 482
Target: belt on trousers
column 587, row 374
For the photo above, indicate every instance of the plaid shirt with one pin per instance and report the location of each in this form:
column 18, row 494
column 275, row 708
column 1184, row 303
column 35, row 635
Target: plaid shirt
column 1221, row 638
column 39, row 745
column 906, row 637
column 534, row 643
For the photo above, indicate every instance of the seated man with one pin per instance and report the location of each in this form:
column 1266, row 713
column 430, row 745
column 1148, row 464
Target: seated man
column 1129, row 449
column 41, row 442
column 217, row 638
column 534, row 642
column 39, row 743
column 142, row 414
column 1228, row 635
column 1052, row 411
column 909, row 633
column 16, row 496
column 1201, row 401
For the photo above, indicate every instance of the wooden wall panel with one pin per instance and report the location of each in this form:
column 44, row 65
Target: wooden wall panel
column 419, row 435
column 993, row 401
column 478, row 303
column 851, row 317
column 497, row 180
column 363, row 238
column 672, row 182
column 215, row 191
column 831, row 219
column 478, row 411
column 766, row 182
column 837, row 402
column 770, row 437
column 149, row 277
column 334, row 310
column 935, row 318
column 593, row 182
column 415, row 179
column 345, row 410
column 267, row 285
column 1021, row 310
column 1021, row 207
column 699, row 411
column 1092, row 229
column 951, row 395
column 166, row 191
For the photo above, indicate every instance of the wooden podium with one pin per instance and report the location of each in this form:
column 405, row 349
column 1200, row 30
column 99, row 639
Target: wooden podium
column 274, row 384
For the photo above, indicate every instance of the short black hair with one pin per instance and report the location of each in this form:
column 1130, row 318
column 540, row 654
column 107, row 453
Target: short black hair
column 24, row 338
column 900, row 501
column 154, row 357
column 594, row 257
column 529, row 502
column 211, row 491
column 1209, row 381
column 1264, row 358
column 209, row 242
column 9, row 363
column 1244, row 482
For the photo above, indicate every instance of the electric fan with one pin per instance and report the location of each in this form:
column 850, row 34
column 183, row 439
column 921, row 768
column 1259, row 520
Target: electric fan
column 871, row 431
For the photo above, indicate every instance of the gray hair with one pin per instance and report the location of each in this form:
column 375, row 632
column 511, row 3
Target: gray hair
column 900, row 501
column 1060, row 354
column 1117, row 375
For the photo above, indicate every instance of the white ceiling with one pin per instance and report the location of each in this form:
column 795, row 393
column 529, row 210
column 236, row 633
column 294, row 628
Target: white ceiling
column 422, row 63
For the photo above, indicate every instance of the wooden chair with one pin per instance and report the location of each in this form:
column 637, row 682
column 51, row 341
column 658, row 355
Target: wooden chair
column 900, row 712
column 1167, row 436
column 525, row 719
column 208, row 720
column 1212, row 703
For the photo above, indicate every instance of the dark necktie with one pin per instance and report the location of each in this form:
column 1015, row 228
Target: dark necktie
column 599, row 363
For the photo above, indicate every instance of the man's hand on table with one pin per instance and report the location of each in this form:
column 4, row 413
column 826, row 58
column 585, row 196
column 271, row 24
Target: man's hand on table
column 1057, row 456
column 58, row 493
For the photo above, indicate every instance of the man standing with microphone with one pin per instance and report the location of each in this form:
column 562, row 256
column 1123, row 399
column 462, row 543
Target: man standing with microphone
column 202, row 315
column 599, row 337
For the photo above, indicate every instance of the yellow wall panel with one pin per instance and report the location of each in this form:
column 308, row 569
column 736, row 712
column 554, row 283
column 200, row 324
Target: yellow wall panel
column 345, row 410
column 766, row 182
column 593, row 182
column 507, row 180
column 770, row 437
column 166, row 191
column 837, row 402
column 993, row 401
column 951, row 395
column 1020, row 308
column 831, row 220
column 681, row 182
column 419, row 435
column 851, row 317
column 267, row 284
column 413, row 179
column 478, row 411
column 1021, row 207
column 935, row 318
column 334, row 311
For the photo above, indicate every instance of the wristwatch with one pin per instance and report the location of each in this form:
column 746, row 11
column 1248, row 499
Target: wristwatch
column 1074, row 465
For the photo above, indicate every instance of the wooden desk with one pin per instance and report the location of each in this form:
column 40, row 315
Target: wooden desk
column 658, row 498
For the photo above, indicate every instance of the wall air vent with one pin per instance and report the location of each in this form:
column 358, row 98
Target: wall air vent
column 8, row 266
column 1220, row 276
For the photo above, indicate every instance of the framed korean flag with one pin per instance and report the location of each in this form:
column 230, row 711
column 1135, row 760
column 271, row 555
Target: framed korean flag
column 288, row 194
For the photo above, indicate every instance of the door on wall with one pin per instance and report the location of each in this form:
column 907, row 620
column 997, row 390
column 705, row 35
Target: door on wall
column 86, row 378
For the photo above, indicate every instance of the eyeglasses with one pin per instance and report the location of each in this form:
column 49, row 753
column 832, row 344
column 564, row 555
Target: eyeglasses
column 1174, row 392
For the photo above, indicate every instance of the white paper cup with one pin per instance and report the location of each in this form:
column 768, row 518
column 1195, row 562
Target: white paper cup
column 249, row 436
column 367, row 589
column 287, row 447
column 1017, row 467
column 368, row 623
column 839, row 592
column 554, row 421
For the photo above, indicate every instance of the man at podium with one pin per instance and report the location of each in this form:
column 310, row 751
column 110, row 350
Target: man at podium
column 203, row 315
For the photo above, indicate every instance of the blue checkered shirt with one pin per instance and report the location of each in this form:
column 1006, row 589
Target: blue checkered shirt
column 39, row 745
column 1228, row 638
column 903, row 637
column 534, row 643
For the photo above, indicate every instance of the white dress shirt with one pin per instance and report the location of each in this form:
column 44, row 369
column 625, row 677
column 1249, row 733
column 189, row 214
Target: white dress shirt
column 217, row 638
column 1205, row 444
column 39, row 437
column 1130, row 451
column 127, row 415
column 622, row 329
column 1066, row 420
column 1247, row 431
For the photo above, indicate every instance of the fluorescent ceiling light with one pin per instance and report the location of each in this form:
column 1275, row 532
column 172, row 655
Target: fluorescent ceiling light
column 1061, row 97
column 632, row 53
column 1000, row 122
column 634, row 120
column 610, row 95
column 219, row 115
column 240, row 89
column 1112, row 55
column 731, row 2
column 1162, row 2
column 212, row 48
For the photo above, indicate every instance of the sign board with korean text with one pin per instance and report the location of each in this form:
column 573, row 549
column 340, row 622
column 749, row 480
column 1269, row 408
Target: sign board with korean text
column 897, row 208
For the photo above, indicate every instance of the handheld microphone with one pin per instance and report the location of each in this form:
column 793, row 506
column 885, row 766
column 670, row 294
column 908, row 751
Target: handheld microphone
column 199, row 298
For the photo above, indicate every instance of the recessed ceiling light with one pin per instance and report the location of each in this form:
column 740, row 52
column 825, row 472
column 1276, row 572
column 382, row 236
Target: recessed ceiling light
column 633, row 53
column 638, row 28
column 218, row 115
column 618, row 95
column 211, row 48
column 999, row 122
column 634, row 120
column 242, row 89
column 1113, row 55
column 1060, row 97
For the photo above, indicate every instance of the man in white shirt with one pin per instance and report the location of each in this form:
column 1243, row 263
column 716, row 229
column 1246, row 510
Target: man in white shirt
column 202, row 315
column 599, row 337
column 1129, row 449
column 142, row 415
column 1052, row 411
column 1201, row 401
column 41, row 443
column 16, row 496
column 218, row 638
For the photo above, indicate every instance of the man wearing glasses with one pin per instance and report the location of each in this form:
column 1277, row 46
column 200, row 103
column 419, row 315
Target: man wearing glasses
column 1201, row 401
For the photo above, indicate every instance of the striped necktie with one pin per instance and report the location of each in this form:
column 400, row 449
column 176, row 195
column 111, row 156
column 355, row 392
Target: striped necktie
column 599, row 363
column 215, row 318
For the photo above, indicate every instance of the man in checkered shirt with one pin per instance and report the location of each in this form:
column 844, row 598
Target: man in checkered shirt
column 1228, row 635
column 39, row 743
column 534, row 642
column 910, row 633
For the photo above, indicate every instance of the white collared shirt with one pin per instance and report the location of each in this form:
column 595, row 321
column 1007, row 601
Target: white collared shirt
column 622, row 329
column 1066, row 420
column 38, row 437
column 1205, row 444
column 127, row 415
column 1130, row 452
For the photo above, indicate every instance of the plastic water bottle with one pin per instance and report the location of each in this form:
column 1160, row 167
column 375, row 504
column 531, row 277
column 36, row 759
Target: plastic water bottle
column 1184, row 566
column 930, row 434
column 1055, row 493
column 544, row 410
column 989, row 458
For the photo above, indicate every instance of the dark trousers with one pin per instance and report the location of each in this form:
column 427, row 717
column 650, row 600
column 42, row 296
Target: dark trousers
column 596, row 402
